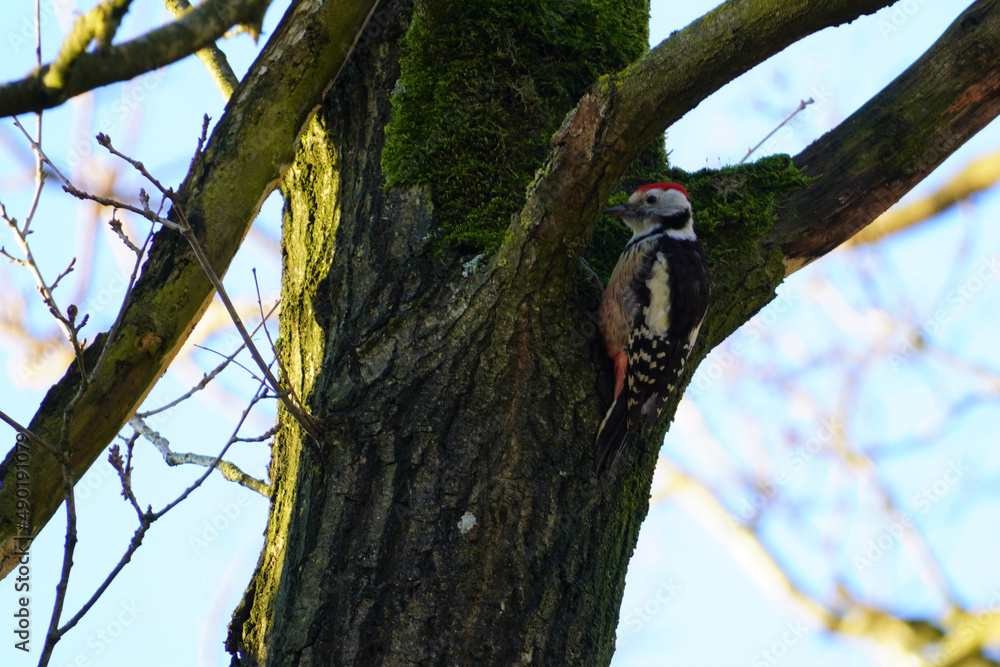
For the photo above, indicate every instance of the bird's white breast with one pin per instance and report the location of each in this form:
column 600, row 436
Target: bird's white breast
column 658, row 312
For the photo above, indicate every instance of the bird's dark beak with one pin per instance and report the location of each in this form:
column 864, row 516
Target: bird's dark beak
column 616, row 210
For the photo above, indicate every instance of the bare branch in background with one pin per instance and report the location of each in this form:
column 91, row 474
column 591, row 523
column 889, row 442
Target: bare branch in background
column 750, row 151
column 977, row 176
column 308, row 423
column 284, row 393
column 909, row 638
column 207, row 377
column 895, row 140
column 27, row 433
column 51, row 85
column 99, row 24
column 66, row 323
column 250, row 146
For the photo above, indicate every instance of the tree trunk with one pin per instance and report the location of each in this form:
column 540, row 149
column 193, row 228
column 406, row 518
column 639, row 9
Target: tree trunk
column 454, row 517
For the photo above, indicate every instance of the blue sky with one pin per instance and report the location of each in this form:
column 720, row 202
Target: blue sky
column 831, row 350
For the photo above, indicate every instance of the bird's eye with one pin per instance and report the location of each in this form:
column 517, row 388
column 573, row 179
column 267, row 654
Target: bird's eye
column 651, row 199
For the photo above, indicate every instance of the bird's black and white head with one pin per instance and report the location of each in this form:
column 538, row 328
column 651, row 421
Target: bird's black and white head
column 657, row 206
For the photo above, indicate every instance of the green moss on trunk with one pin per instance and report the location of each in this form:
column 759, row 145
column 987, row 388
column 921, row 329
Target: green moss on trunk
column 483, row 86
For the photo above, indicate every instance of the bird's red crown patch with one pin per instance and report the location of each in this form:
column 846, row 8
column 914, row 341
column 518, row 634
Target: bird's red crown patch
column 665, row 186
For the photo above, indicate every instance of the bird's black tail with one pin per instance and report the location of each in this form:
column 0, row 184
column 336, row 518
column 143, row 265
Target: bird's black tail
column 611, row 437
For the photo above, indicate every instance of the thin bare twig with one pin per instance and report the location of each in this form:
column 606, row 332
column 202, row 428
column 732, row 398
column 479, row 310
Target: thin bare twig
column 53, row 634
column 40, row 174
column 68, row 186
column 124, row 473
column 69, row 330
column 216, row 352
column 266, row 435
column 35, row 146
column 3, row 251
column 308, row 423
column 208, row 377
column 69, row 270
column 149, row 516
column 229, row 470
column 802, row 105
column 274, row 349
column 27, row 433
column 592, row 276
column 116, row 226
column 261, row 393
column 65, row 456
column 135, row 543
column 105, row 141
column 304, row 419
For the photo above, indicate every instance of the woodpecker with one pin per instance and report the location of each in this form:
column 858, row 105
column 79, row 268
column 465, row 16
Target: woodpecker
column 651, row 311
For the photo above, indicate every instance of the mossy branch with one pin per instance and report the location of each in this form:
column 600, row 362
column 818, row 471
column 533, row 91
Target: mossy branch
column 77, row 71
column 623, row 113
column 100, row 24
column 895, row 140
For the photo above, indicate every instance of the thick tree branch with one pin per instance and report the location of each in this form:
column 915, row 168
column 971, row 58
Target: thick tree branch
column 249, row 149
column 81, row 71
column 625, row 112
column 895, row 140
